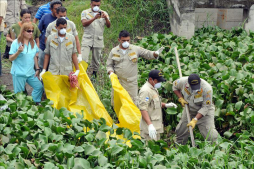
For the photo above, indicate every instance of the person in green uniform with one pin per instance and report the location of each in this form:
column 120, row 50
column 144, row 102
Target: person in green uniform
column 14, row 30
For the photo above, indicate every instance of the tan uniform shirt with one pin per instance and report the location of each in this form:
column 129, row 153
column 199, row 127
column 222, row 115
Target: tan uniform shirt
column 201, row 101
column 71, row 28
column 150, row 101
column 93, row 34
column 125, row 66
column 3, row 8
column 60, row 53
column 13, row 11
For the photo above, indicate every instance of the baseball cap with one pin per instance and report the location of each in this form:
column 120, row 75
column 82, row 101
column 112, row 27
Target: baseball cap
column 156, row 74
column 194, row 81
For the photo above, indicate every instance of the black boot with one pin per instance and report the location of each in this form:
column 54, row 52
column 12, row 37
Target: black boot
column 6, row 53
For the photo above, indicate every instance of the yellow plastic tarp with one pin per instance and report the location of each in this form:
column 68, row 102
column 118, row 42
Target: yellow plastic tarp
column 127, row 112
column 57, row 88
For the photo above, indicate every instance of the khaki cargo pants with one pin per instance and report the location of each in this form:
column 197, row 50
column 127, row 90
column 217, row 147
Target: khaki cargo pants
column 131, row 87
column 147, row 137
column 205, row 126
column 96, row 56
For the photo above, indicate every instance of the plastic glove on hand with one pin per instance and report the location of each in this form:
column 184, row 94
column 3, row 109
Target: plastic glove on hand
column 182, row 101
column 76, row 73
column 192, row 123
column 152, row 131
column 42, row 72
column 79, row 58
column 168, row 105
column 110, row 74
column 158, row 52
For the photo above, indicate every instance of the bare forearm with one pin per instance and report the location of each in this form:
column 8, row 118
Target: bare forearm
column 36, row 62
column 163, row 105
column 1, row 19
column 199, row 116
column 108, row 24
column 75, row 61
column 35, row 20
column 86, row 23
column 178, row 93
column 146, row 117
column 46, row 61
column 14, row 56
column 78, row 45
column 8, row 38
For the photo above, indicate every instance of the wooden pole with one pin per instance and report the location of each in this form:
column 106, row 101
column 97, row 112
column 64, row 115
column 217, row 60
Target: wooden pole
column 186, row 105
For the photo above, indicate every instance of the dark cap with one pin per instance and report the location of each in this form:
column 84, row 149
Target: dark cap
column 156, row 74
column 194, row 81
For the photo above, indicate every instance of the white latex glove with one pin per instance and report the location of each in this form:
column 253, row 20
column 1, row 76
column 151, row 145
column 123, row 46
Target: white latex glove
column 76, row 73
column 159, row 51
column 42, row 72
column 168, row 105
column 110, row 74
column 79, row 58
column 152, row 131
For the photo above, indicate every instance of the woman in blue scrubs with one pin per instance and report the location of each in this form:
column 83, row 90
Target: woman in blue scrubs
column 23, row 54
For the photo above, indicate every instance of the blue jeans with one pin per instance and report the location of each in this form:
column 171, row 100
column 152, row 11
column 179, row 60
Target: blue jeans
column 0, row 56
column 19, row 83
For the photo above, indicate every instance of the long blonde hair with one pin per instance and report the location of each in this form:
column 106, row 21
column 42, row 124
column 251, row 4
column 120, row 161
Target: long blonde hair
column 25, row 27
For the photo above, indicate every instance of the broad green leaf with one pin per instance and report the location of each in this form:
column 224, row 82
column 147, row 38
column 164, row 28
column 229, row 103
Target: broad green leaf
column 102, row 160
column 81, row 163
column 238, row 105
column 116, row 149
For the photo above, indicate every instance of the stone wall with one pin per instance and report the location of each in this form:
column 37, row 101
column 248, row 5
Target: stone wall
column 189, row 15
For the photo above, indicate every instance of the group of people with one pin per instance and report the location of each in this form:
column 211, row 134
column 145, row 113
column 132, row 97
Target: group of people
column 53, row 46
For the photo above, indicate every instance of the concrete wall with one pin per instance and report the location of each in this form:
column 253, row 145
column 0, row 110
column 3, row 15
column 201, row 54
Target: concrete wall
column 189, row 15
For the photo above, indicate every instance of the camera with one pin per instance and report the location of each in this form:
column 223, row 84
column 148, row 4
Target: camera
column 100, row 13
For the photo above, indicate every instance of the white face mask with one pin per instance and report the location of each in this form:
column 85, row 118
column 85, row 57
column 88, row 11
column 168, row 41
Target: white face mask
column 63, row 17
column 62, row 31
column 96, row 9
column 195, row 91
column 125, row 44
column 157, row 85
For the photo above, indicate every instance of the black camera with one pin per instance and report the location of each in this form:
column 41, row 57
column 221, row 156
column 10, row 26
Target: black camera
column 100, row 13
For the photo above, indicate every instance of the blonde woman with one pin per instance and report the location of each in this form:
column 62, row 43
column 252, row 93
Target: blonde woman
column 23, row 54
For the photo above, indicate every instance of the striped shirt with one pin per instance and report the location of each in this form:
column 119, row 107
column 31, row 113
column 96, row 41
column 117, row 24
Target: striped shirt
column 44, row 9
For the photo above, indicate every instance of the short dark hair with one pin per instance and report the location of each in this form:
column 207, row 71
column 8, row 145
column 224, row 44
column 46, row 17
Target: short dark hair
column 95, row 1
column 55, row 2
column 61, row 9
column 61, row 21
column 24, row 11
column 124, row 33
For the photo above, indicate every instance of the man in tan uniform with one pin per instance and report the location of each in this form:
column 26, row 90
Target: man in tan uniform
column 71, row 29
column 198, row 94
column 123, row 61
column 150, row 105
column 12, row 17
column 61, row 51
column 93, row 20
column 3, row 8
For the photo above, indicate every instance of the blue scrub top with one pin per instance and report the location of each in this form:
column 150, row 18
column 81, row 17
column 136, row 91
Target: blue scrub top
column 23, row 65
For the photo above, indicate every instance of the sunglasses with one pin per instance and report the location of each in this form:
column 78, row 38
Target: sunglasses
column 30, row 31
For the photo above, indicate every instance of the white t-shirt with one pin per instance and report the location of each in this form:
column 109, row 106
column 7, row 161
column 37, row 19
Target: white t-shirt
column 124, row 51
column 61, row 39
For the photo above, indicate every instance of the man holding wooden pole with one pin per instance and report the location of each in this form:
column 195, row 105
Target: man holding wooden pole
column 197, row 93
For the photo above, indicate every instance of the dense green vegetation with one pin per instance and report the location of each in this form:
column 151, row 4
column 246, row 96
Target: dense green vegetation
column 224, row 58
column 42, row 137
